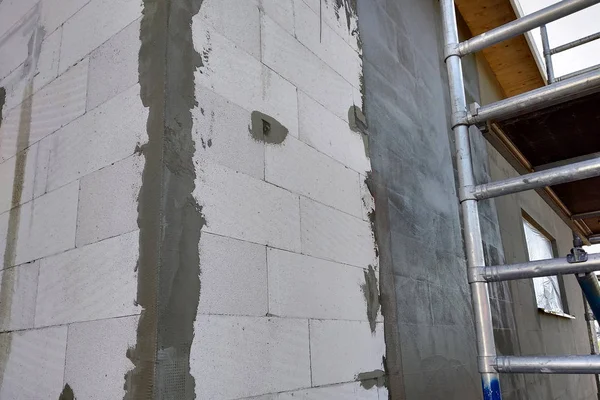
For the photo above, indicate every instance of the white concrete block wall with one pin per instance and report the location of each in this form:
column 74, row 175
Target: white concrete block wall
column 287, row 241
column 71, row 121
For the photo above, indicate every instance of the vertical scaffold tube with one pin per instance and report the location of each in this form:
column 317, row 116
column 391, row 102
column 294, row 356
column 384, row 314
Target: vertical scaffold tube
column 591, row 291
column 472, row 231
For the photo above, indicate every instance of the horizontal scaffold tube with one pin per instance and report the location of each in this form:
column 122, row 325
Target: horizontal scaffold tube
column 575, row 43
column 554, row 176
column 524, row 24
column 536, row 99
column 536, row 269
column 548, row 364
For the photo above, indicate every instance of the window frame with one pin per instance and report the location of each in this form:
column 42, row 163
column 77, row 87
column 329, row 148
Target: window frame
column 525, row 217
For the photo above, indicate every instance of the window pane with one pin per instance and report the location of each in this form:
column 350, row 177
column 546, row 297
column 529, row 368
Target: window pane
column 547, row 291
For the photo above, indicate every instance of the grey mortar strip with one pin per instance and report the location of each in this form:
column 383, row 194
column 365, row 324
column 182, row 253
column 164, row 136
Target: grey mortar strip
column 169, row 218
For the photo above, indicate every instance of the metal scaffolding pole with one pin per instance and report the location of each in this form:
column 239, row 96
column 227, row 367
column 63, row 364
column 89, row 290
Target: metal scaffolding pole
column 534, row 269
column 593, row 336
column 536, row 99
column 474, row 247
column 577, row 73
column 554, row 176
column 547, row 54
column 548, row 364
column 575, row 43
column 524, row 24
column 591, row 290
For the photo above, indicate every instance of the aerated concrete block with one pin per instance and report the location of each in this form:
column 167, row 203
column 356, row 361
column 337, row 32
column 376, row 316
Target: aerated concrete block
column 114, row 65
column 96, row 360
column 235, row 357
column 234, row 276
column 108, row 201
column 94, row 24
column 46, row 225
column 35, row 365
column 305, row 287
column 343, row 350
column 105, row 135
column 285, row 55
column 334, row 235
column 89, row 283
column 242, row 207
column 301, row 169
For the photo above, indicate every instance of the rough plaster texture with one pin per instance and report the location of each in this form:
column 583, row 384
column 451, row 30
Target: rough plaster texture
column 429, row 332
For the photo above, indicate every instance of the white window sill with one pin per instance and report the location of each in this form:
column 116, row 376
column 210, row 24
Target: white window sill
column 556, row 313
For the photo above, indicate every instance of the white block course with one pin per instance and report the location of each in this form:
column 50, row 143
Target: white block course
column 334, row 235
column 114, row 65
column 234, row 74
column 327, row 44
column 21, row 285
column 46, row 70
column 308, row 287
column 107, row 134
column 36, row 362
column 11, row 12
column 96, row 361
column 25, row 178
column 298, row 167
column 285, row 55
column 221, row 134
column 108, row 201
column 94, row 24
column 239, row 206
column 340, row 350
column 14, row 48
column 238, row 21
column 57, row 12
column 329, row 134
column 280, row 11
column 53, row 107
column 47, row 224
column 47, row 64
column 233, row 276
column 92, row 282
column 235, row 357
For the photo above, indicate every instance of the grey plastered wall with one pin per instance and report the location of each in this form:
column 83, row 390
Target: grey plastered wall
column 425, row 297
column 423, row 273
